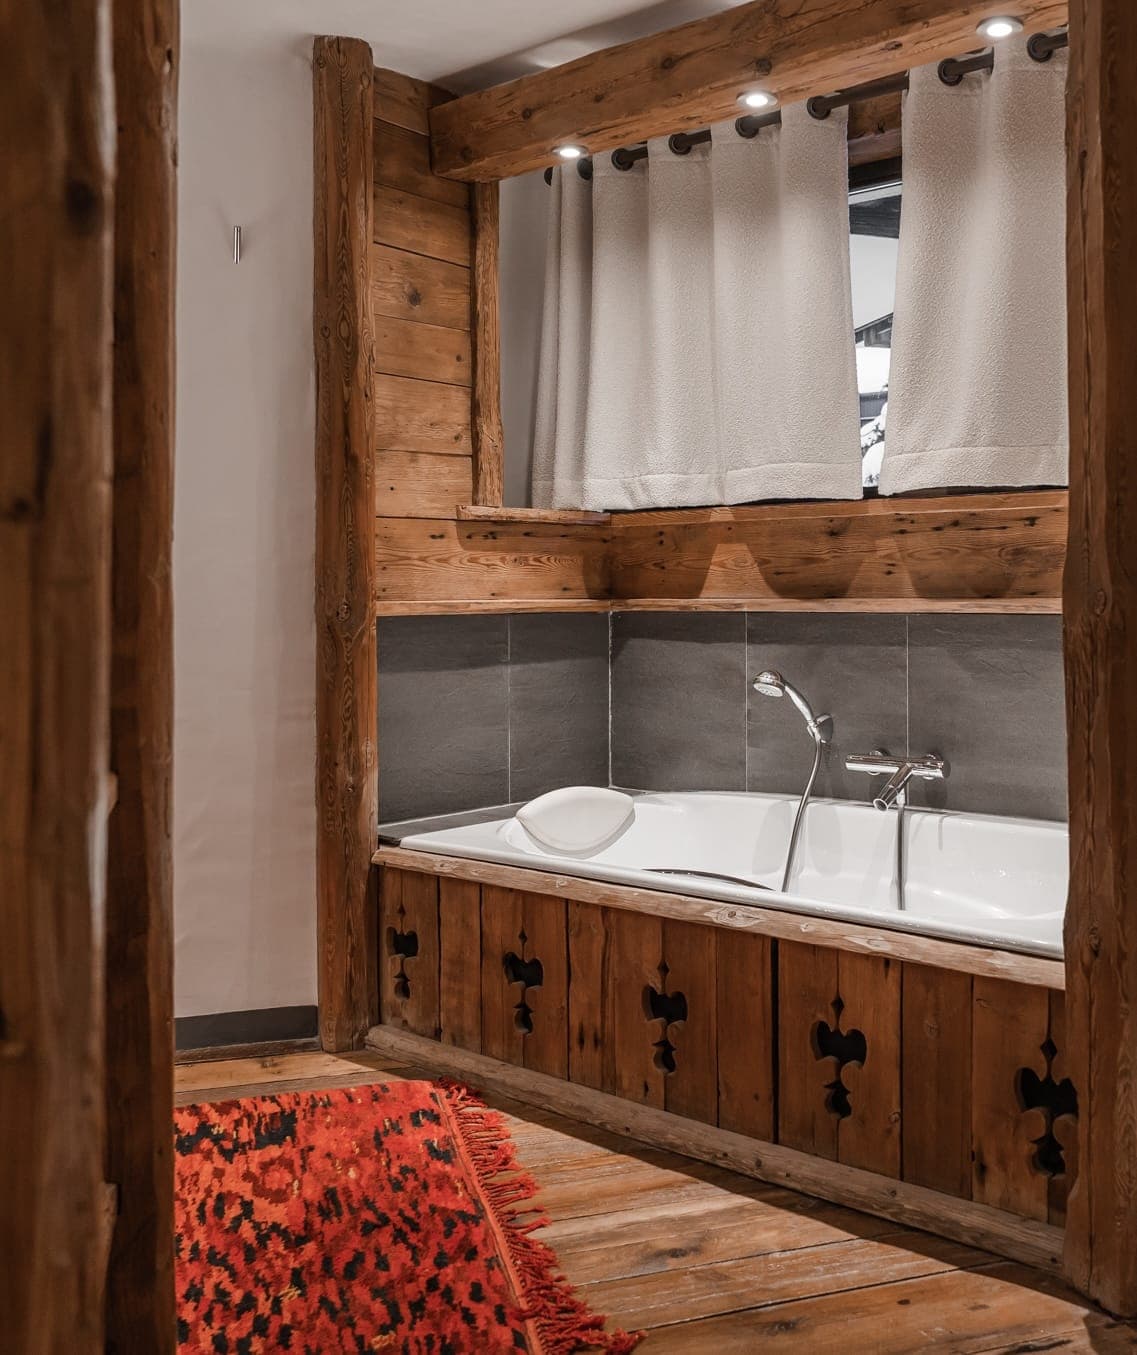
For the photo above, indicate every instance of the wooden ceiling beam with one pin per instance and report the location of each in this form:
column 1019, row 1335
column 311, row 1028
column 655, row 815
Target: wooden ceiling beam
column 691, row 76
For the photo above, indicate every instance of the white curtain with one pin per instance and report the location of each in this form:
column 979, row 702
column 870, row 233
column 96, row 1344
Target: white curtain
column 697, row 343
column 977, row 392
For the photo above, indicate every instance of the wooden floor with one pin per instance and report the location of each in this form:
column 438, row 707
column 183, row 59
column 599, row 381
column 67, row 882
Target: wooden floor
column 710, row 1262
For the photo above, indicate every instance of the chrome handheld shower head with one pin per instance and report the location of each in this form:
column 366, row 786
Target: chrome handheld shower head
column 771, row 683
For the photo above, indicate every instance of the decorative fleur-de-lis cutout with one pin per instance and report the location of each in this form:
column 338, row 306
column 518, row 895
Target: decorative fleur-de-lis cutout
column 1054, row 1099
column 529, row 973
column 404, row 946
column 670, row 1009
column 831, row 1042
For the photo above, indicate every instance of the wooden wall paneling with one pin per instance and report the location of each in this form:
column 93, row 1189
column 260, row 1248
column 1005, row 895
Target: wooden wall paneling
column 419, row 287
column 808, row 986
column 405, row 101
column 545, row 929
column 690, row 76
column 991, row 551
column 637, row 953
column 459, row 966
column 869, row 1135
column 139, row 1035
column 1010, row 1022
column 473, row 561
column 689, row 954
column 1063, row 1123
column 421, row 484
column 744, row 976
column 56, row 462
column 485, row 327
column 347, row 791
column 402, row 161
column 427, row 352
column 421, row 416
column 1100, row 623
column 501, row 934
column 404, row 221
column 409, row 951
column 591, row 997
column 525, row 980
column 936, row 1079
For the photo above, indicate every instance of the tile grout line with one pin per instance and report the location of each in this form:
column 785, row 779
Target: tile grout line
column 610, row 623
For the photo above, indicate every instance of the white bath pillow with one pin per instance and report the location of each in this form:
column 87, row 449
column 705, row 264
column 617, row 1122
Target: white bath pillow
column 576, row 818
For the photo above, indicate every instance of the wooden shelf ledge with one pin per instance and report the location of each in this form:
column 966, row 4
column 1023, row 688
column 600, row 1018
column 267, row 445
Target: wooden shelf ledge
column 476, row 512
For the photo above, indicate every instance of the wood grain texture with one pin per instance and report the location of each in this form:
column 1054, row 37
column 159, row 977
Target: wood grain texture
column 419, row 225
column 526, row 1022
column 637, row 953
column 842, row 935
column 409, row 286
column 745, row 979
column 404, row 101
column 1000, row 551
column 592, row 997
column 421, row 484
column 869, row 1136
column 409, row 951
column 690, row 76
column 347, row 789
column 139, row 917
column 428, row 352
column 807, row 988
column 936, row 1079
column 485, row 332
column 402, row 161
column 421, row 416
column 1100, row 603
column 690, row 954
column 476, row 512
column 419, row 560
column 460, row 980
column 56, row 463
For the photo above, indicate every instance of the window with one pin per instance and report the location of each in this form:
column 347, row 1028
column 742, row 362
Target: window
column 874, row 236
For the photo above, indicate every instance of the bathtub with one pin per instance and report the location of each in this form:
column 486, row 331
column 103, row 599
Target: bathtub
column 982, row 880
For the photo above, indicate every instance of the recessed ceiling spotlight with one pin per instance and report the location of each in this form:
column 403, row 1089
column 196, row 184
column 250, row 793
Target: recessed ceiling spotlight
column 569, row 152
column 757, row 98
column 999, row 27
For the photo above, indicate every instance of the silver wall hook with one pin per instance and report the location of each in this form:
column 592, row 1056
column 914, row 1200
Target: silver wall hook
column 236, row 244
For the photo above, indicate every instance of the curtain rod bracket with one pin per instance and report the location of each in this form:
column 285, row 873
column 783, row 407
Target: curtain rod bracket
column 952, row 71
column 1042, row 46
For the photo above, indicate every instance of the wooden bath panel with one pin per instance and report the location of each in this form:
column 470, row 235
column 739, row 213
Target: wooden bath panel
column 947, row 1080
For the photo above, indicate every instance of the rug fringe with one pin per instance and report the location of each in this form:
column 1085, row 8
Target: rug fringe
column 565, row 1323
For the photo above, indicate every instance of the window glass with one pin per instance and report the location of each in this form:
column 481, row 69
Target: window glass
column 874, row 235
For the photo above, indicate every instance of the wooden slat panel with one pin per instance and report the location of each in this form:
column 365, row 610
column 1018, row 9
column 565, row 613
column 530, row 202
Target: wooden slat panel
column 406, row 221
column 457, row 561
column 409, row 286
column 745, row 1039
column 405, row 101
column 485, row 327
column 807, row 987
column 421, row 416
column 402, row 160
column 592, row 993
column 637, row 952
column 408, row 948
column 545, row 1049
column 689, row 954
column 346, row 789
column 1009, row 1026
column 421, row 484
column 428, row 352
column 690, row 76
column 869, row 1137
column 460, row 975
column 501, row 929
column 1065, row 1128
column 936, row 1079
column 999, row 550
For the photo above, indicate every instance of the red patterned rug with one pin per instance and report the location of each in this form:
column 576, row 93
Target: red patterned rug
column 392, row 1218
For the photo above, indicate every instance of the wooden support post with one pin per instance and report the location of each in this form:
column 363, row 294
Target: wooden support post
column 139, row 930
column 346, row 803
column 56, row 231
column 485, row 343
column 1101, row 650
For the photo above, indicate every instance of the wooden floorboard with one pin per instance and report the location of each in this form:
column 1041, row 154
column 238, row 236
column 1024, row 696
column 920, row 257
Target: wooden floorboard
column 706, row 1260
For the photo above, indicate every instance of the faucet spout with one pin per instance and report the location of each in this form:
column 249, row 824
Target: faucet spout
column 899, row 771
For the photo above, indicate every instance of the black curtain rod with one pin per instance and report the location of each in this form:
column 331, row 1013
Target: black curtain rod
column 1041, row 47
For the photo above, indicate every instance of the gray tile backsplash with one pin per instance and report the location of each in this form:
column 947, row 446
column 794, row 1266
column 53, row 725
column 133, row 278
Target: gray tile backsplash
column 678, row 700
column 987, row 693
column 485, row 710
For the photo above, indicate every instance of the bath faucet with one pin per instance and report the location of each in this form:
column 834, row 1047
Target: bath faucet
column 899, row 771
column 820, row 727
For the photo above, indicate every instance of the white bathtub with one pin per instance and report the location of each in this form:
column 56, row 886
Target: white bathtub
column 988, row 881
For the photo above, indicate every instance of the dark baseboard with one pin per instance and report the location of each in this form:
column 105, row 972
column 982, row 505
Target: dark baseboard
column 225, row 1030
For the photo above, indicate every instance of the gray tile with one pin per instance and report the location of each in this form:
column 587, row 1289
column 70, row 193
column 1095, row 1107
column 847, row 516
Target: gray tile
column 852, row 667
column 679, row 700
column 443, row 714
column 987, row 693
column 558, row 702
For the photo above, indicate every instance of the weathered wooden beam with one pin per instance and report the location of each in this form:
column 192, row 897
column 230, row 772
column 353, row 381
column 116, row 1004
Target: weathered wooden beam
column 1100, row 599
column 691, row 76
column 485, row 334
column 56, row 233
column 139, row 930
column 346, row 786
